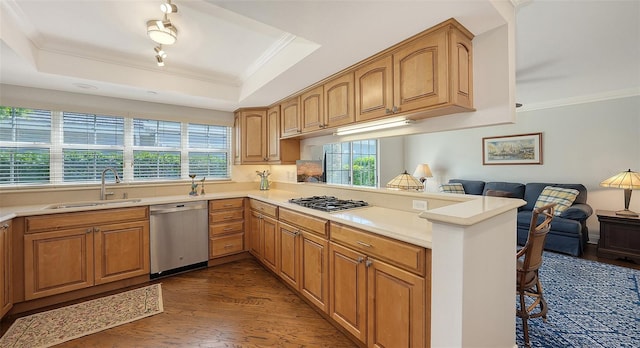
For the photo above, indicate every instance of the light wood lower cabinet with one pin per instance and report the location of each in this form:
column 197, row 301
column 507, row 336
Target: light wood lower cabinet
column 84, row 252
column 226, row 227
column 376, row 301
column 304, row 262
column 263, row 237
column 5, row 268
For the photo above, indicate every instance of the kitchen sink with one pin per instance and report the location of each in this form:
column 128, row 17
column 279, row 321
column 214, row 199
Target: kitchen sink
column 90, row 203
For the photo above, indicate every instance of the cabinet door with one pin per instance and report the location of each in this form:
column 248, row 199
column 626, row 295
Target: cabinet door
column 396, row 307
column 339, row 101
column 57, row 262
column 273, row 134
column 5, row 268
column 312, row 110
column 270, row 241
column 237, row 139
column 420, row 73
column 289, row 254
column 290, row 117
column 254, row 142
column 121, row 251
column 374, row 89
column 314, row 283
column 255, row 240
column 461, row 69
column 348, row 290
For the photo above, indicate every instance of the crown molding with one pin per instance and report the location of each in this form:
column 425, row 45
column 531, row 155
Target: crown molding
column 591, row 98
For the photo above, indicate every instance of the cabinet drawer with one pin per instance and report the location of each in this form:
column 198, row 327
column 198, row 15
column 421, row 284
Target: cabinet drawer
column 223, row 204
column 224, row 216
column 403, row 255
column 264, row 208
column 226, row 228
column 220, row 246
column 304, row 221
column 62, row 221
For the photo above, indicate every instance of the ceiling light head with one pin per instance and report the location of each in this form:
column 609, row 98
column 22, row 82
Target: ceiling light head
column 162, row 32
column 160, row 52
column 160, row 61
column 168, row 7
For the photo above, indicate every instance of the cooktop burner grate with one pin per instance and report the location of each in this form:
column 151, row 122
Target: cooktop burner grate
column 328, row 203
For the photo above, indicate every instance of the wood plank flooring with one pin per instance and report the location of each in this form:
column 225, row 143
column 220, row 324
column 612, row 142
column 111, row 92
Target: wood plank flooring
column 239, row 304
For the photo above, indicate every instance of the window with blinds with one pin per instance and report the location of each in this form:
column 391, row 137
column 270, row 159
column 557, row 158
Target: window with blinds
column 90, row 144
column 352, row 163
column 25, row 146
column 56, row 147
column 208, row 150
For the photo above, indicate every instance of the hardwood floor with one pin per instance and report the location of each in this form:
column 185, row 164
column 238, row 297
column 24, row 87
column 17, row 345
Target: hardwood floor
column 239, row 304
column 590, row 253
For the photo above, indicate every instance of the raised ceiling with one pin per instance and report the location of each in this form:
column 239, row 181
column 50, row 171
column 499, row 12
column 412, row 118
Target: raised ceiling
column 234, row 54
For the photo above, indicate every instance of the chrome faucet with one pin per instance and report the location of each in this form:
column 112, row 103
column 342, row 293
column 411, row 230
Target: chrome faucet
column 103, row 192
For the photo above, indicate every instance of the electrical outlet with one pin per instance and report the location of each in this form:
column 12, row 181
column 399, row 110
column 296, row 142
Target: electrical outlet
column 419, row 205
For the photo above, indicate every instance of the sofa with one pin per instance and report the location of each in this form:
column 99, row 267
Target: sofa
column 569, row 233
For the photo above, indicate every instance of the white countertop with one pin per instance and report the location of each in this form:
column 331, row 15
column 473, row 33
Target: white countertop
column 397, row 224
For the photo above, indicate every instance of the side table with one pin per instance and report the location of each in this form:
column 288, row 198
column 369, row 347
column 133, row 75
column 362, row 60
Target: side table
column 619, row 236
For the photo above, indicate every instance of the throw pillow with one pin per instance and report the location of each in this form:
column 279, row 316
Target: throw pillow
column 563, row 197
column 452, row 188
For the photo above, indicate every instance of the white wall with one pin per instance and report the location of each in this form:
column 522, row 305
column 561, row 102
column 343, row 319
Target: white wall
column 584, row 143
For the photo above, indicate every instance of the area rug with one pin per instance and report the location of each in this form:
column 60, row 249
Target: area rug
column 64, row 324
column 591, row 304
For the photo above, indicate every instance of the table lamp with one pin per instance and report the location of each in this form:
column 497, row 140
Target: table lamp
column 423, row 172
column 628, row 181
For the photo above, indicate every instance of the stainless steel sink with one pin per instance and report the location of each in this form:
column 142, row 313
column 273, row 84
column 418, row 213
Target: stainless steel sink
column 90, row 203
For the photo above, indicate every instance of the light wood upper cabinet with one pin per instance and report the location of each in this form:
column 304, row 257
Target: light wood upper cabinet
column 434, row 71
column 339, row 97
column 312, row 109
column 374, row 89
column 273, row 134
column 290, row 117
column 254, row 136
column 5, row 268
column 237, row 138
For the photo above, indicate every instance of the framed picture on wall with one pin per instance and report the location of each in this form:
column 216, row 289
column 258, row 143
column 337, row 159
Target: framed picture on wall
column 512, row 149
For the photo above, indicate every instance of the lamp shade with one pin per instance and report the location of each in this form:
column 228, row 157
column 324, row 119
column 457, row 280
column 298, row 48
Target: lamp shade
column 422, row 171
column 625, row 180
column 628, row 181
column 405, row 181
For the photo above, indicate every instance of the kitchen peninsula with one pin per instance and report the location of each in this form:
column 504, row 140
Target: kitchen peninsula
column 467, row 236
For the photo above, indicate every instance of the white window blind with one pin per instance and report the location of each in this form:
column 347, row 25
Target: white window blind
column 56, row 147
column 91, row 143
column 208, row 150
column 25, row 146
column 156, row 150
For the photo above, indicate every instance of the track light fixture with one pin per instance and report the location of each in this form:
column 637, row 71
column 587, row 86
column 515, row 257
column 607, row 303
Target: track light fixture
column 168, row 7
column 162, row 31
column 160, row 52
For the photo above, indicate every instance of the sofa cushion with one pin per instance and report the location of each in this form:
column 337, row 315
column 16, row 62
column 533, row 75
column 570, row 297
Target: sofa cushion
column 516, row 189
column 558, row 224
column 452, row 188
column 471, row 187
column 562, row 197
column 532, row 192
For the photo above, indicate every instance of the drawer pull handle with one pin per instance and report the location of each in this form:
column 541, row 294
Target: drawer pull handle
column 228, row 217
column 228, row 205
column 228, row 229
column 96, row 229
column 228, row 246
column 364, row 244
column 5, row 226
column 89, row 230
column 368, row 263
column 360, row 259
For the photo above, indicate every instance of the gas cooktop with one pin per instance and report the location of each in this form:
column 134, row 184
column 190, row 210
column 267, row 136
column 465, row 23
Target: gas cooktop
column 328, row 203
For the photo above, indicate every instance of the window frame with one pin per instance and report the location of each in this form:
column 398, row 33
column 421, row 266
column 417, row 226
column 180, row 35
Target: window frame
column 352, row 157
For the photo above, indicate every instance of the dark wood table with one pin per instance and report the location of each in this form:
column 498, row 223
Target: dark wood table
column 619, row 236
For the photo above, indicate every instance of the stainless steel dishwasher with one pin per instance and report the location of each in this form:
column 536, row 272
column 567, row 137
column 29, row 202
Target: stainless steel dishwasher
column 179, row 238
